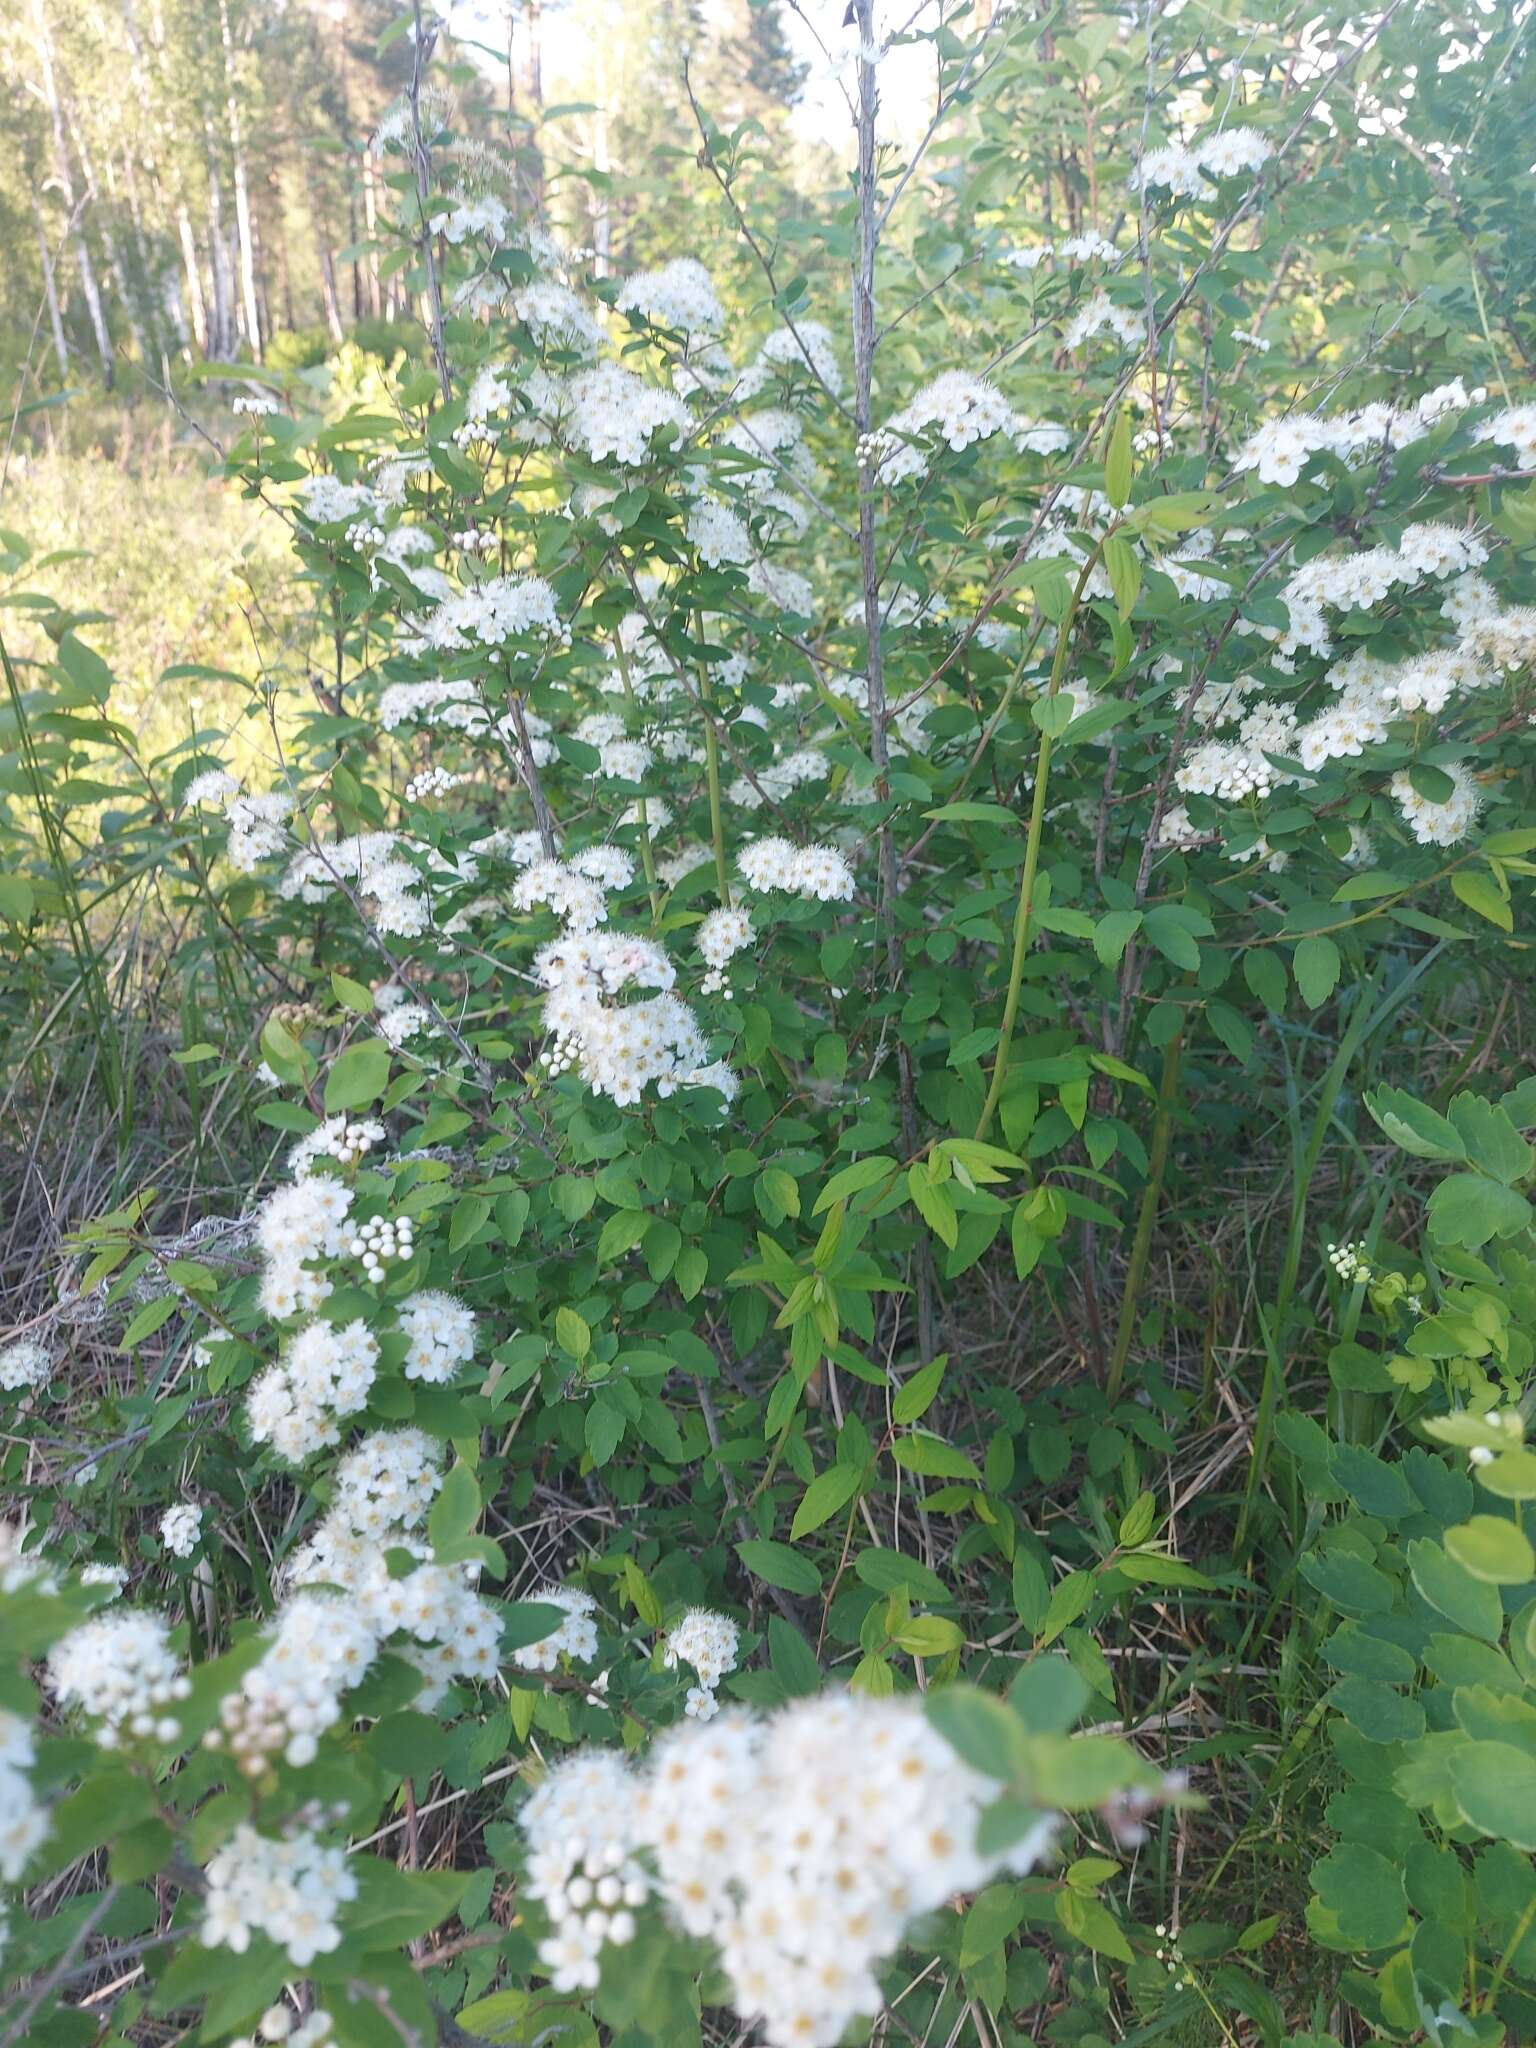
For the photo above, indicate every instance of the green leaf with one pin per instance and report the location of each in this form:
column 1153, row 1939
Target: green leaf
column 994, row 1915
column 572, row 1333
column 1492, row 1550
column 980, row 1729
column 358, row 1076
column 1452, row 1590
column 916, row 1395
column 1468, row 1210
column 852, row 1180
column 777, row 1565
column 1118, row 461
column 932, row 1458
column 1316, row 963
column 1113, row 933
column 1090, row 1921
column 1481, row 893
column 1266, row 978
column 827, row 1492
column 1495, row 1790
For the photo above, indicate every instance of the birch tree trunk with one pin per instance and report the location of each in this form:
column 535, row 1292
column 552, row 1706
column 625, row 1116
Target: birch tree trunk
column 242, row 188
column 51, row 291
column 64, row 176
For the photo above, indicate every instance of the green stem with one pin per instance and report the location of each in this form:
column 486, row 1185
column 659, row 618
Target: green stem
column 1146, row 1217
column 1026, row 904
column 647, row 851
column 712, row 778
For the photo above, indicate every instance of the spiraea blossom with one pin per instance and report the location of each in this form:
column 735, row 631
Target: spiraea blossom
column 119, row 1670
column 324, row 1375
column 575, row 1637
column 258, row 827
column 818, row 872
column 181, row 1528
column 290, row 1890
column 613, row 415
column 342, row 1138
column 957, row 409
column 679, row 295
column 25, row 1363
column 494, row 612
column 801, row 1846
column 440, row 1330
column 1443, row 823
column 723, row 934
column 711, row 1643
column 295, row 1228
column 23, row 1816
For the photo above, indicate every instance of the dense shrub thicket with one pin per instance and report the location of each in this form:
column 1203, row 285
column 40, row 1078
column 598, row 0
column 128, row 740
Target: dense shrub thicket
column 848, row 1028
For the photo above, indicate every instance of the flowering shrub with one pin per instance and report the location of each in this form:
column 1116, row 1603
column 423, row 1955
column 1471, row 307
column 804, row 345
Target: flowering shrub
column 761, row 830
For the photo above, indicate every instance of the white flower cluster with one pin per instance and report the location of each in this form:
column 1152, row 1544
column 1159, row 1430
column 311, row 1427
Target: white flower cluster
column 1505, row 638
column 557, row 317
column 619, row 1048
column 23, row 1817
column 326, row 501
column 1350, row 1262
column 1514, row 428
column 1439, row 824
column 258, row 828
column 294, row 1226
column 342, row 1138
column 805, row 346
column 1237, row 769
column 25, row 1363
column 776, row 781
column 612, row 415
column 277, row 2025
column 440, row 1330
column 181, row 1528
column 801, row 1846
column 213, row 786
column 325, row 1374
column 1280, row 449
column 380, row 1239
column 679, row 295
column 493, row 612
column 958, row 409
column 457, row 706
column 1100, row 314
column 581, row 1868
column 255, row 407
column 431, row 782
column 719, row 534
column 1366, row 578
column 370, row 865
column 818, row 873
column 722, row 935
column 1176, row 168
column 291, row 1891
column 405, row 1021
column 573, row 897
column 1088, row 247
column 711, row 1643
column 120, row 1669
column 576, row 1636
